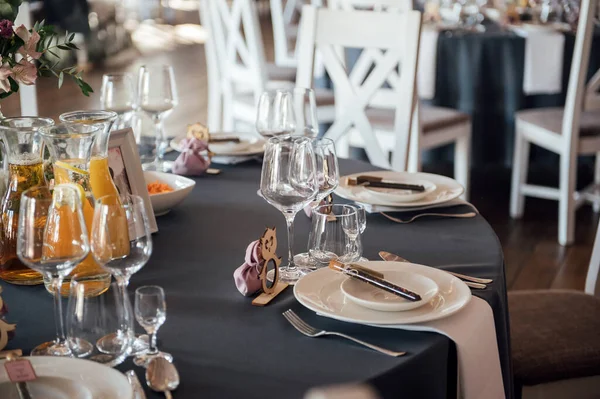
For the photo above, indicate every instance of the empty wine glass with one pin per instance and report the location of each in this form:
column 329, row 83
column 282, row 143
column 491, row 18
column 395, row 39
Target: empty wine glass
column 151, row 313
column 94, row 321
column 118, row 95
column 157, row 96
column 121, row 242
column 354, row 229
column 328, row 177
column 52, row 239
column 305, row 112
column 275, row 115
column 289, row 182
column 335, row 234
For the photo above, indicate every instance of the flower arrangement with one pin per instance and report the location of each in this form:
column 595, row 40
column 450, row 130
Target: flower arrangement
column 23, row 53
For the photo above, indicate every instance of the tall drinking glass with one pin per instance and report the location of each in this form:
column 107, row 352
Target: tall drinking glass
column 118, row 95
column 94, row 321
column 305, row 112
column 328, row 177
column 275, row 115
column 107, row 247
column 157, row 96
column 52, row 239
column 289, row 182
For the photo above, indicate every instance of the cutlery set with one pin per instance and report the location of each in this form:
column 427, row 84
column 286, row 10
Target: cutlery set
column 161, row 376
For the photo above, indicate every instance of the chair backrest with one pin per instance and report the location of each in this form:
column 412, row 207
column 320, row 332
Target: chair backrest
column 577, row 91
column 393, row 40
column 285, row 16
column 27, row 94
column 234, row 49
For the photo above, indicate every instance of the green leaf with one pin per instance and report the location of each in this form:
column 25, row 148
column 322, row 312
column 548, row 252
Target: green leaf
column 61, row 78
column 53, row 53
column 63, row 47
column 72, row 46
column 71, row 37
column 14, row 86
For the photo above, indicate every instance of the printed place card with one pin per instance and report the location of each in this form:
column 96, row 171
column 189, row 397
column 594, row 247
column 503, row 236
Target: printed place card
column 20, row 370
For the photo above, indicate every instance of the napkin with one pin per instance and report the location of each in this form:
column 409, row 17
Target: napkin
column 544, row 50
column 473, row 331
column 427, row 63
column 191, row 162
column 246, row 276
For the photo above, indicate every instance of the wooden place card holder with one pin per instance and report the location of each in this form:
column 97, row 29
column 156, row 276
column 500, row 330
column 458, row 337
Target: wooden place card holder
column 268, row 248
column 5, row 327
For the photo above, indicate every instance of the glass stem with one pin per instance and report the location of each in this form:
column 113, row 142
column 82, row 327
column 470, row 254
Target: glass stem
column 58, row 313
column 158, row 131
column 289, row 219
column 153, row 348
column 122, row 283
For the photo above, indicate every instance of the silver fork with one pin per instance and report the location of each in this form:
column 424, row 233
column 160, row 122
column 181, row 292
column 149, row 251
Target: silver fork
column 312, row 332
column 420, row 215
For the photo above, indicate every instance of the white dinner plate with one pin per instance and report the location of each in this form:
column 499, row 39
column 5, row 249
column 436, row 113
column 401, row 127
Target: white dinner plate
column 249, row 145
column 446, row 189
column 320, row 291
column 60, row 378
column 395, row 195
column 371, row 297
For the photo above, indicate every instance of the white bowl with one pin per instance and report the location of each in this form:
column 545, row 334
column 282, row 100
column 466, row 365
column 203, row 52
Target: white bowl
column 163, row 203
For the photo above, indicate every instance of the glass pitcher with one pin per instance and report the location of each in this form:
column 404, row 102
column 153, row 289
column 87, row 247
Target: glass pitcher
column 70, row 147
column 23, row 169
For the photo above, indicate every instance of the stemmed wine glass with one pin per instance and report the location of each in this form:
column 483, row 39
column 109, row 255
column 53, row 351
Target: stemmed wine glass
column 305, row 112
column 275, row 115
column 118, row 95
column 151, row 313
column 115, row 218
column 328, row 177
column 52, row 239
column 157, row 96
column 289, row 182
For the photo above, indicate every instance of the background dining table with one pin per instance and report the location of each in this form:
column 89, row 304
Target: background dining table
column 224, row 347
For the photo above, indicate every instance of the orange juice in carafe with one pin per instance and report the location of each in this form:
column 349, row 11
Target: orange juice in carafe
column 70, row 147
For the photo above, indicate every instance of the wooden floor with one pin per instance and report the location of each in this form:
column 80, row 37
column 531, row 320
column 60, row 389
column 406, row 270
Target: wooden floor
column 532, row 256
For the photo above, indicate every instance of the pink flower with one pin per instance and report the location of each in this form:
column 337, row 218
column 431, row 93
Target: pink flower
column 25, row 72
column 6, row 29
column 5, row 72
column 31, row 40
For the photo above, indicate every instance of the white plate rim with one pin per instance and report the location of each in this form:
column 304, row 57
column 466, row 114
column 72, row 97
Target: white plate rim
column 441, row 182
column 406, row 305
column 63, row 365
column 387, row 319
column 256, row 147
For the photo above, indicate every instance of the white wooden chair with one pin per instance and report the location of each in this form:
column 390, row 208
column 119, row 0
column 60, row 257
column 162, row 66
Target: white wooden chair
column 329, row 31
column 570, row 131
column 285, row 15
column 433, row 126
column 27, row 94
column 237, row 70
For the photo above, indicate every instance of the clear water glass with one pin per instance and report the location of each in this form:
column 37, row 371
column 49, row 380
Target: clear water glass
column 289, row 183
column 52, row 239
column 275, row 114
column 118, row 94
column 150, row 313
column 93, row 322
column 108, row 249
column 335, row 234
column 157, row 96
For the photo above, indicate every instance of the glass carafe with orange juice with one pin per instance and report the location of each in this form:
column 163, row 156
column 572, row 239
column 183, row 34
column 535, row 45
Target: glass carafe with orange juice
column 23, row 169
column 70, row 147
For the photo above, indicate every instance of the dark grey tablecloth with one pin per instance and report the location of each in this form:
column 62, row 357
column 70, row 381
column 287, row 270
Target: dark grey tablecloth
column 226, row 348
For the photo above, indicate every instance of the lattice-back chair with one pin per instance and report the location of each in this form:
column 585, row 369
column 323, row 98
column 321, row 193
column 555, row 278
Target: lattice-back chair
column 432, row 126
column 330, row 32
column 570, row 131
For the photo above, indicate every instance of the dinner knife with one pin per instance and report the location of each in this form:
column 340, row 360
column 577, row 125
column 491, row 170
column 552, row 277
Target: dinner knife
column 369, row 181
column 361, row 275
column 477, row 282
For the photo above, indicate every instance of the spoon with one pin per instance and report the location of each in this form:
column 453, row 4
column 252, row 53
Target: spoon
column 162, row 376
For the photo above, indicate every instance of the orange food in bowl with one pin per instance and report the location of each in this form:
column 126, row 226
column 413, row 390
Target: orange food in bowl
column 158, row 188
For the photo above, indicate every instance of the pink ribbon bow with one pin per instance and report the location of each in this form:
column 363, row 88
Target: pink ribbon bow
column 191, row 162
column 246, row 276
